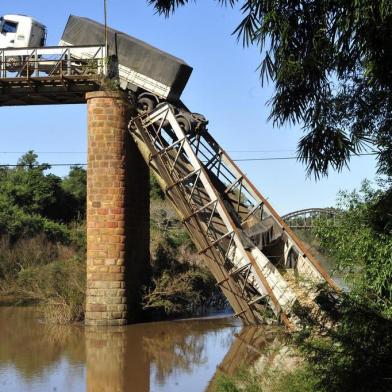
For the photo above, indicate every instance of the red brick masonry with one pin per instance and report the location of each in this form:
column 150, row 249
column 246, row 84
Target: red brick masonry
column 117, row 213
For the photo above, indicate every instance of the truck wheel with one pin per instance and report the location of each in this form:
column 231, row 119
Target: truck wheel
column 184, row 123
column 146, row 103
column 199, row 118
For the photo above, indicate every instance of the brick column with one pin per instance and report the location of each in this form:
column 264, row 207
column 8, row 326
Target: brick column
column 117, row 214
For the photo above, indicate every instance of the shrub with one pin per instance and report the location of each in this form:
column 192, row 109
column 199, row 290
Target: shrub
column 361, row 253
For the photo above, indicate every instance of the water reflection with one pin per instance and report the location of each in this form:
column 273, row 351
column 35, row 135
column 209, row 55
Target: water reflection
column 158, row 357
column 162, row 357
column 36, row 356
column 262, row 348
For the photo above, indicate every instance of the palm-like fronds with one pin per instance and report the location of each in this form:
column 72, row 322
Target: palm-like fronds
column 330, row 62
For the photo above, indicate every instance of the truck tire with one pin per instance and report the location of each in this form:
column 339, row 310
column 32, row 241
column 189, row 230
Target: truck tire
column 184, row 123
column 146, row 103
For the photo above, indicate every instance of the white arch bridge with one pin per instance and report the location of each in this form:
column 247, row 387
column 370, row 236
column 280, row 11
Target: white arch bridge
column 305, row 219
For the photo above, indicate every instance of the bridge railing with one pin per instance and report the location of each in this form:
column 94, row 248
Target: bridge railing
column 57, row 61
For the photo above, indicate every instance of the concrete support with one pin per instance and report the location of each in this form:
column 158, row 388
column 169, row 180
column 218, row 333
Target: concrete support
column 117, row 214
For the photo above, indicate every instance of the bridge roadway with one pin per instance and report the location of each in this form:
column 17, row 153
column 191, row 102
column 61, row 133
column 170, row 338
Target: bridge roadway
column 50, row 75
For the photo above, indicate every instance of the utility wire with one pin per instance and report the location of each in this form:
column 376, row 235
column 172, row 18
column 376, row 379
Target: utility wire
column 262, row 151
column 44, row 152
column 44, row 164
column 286, row 158
column 235, row 160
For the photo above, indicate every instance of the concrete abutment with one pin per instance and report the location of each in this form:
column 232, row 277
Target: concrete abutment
column 117, row 214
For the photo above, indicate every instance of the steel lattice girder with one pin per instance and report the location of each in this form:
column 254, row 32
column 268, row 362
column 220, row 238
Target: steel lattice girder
column 215, row 199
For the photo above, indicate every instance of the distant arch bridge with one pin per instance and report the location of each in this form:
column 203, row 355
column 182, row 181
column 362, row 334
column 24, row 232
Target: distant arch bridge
column 304, row 219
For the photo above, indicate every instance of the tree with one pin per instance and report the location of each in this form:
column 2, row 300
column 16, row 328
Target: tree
column 331, row 64
column 29, row 188
column 359, row 248
column 75, row 186
column 33, row 201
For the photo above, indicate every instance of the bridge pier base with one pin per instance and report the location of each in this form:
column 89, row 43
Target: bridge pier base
column 117, row 214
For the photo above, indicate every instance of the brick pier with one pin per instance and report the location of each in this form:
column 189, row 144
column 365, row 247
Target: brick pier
column 117, row 214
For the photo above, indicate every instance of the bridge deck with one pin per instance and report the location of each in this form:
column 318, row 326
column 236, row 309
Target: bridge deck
column 52, row 75
column 48, row 90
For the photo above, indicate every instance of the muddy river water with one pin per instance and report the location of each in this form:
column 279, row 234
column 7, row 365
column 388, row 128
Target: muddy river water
column 184, row 355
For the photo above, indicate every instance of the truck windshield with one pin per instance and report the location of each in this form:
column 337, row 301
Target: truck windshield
column 9, row 27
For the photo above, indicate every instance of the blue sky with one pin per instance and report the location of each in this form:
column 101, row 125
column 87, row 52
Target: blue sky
column 224, row 86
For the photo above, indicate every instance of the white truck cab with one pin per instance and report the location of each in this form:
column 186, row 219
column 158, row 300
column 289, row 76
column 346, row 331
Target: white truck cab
column 20, row 31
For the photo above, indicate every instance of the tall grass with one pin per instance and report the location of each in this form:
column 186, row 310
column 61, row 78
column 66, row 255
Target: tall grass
column 51, row 274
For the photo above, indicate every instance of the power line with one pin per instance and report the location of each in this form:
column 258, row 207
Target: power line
column 44, row 152
column 43, row 164
column 235, row 160
column 254, row 151
column 288, row 158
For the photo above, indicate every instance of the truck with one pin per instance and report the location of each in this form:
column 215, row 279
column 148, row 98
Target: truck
column 149, row 75
column 21, row 31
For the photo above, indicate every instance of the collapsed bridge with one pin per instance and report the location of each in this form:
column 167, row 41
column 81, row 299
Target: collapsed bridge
column 263, row 269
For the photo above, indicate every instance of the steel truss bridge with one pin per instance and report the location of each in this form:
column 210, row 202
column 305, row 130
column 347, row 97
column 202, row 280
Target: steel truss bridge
column 305, row 219
column 253, row 254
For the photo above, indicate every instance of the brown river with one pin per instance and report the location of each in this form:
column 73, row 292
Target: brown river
column 184, row 355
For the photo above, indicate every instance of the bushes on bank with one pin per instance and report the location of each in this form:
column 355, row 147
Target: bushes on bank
column 181, row 284
column 361, row 249
column 42, row 237
column 51, row 274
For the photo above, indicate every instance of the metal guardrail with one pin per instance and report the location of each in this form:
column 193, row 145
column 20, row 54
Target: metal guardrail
column 50, row 75
column 57, row 61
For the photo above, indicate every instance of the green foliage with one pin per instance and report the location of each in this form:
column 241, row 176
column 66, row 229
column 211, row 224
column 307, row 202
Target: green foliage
column 16, row 223
column 354, row 356
column 301, row 379
column 59, row 285
column 181, row 284
column 180, row 292
column 42, row 247
column 244, row 380
column 75, row 187
column 32, row 201
column 156, row 192
column 361, row 253
column 28, row 188
column 330, row 63
column 178, row 287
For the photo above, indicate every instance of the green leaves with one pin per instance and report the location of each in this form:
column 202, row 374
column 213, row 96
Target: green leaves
column 32, row 201
column 331, row 65
column 361, row 252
